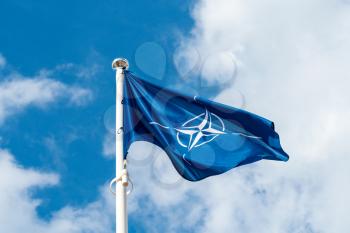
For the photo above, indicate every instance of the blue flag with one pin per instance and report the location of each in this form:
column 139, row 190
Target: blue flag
column 202, row 138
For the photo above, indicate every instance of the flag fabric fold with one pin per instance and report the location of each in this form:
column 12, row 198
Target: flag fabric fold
column 202, row 138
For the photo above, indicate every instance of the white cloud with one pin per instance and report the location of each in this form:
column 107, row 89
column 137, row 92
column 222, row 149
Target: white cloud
column 18, row 92
column 18, row 208
column 300, row 196
column 292, row 59
column 86, row 71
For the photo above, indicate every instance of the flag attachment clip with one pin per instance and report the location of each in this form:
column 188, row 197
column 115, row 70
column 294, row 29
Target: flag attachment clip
column 124, row 178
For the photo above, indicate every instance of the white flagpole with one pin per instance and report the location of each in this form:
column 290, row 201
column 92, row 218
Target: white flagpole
column 120, row 65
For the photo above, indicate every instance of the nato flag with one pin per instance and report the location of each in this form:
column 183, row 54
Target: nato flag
column 202, row 138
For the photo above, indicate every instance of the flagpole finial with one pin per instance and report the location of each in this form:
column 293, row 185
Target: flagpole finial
column 120, row 63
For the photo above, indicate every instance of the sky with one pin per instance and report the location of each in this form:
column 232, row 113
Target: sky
column 284, row 60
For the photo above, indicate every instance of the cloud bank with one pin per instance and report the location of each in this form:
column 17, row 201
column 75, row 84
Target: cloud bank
column 292, row 67
column 18, row 208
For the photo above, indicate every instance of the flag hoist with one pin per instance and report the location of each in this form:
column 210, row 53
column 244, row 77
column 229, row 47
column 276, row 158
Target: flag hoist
column 121, row 180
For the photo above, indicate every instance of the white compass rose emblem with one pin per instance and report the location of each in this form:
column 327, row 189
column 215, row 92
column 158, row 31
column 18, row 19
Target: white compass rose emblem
column 198, row 130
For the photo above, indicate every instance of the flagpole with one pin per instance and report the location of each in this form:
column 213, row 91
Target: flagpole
column 120, row 65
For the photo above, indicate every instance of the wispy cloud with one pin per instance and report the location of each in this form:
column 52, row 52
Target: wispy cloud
column 18, row 92
column 86, row 71
column 108, row 149
column 2, row 61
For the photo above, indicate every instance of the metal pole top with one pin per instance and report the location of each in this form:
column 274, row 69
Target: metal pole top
column 120, row 63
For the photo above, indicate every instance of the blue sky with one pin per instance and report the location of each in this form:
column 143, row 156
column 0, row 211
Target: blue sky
column 62, row 138
column 287, row 61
